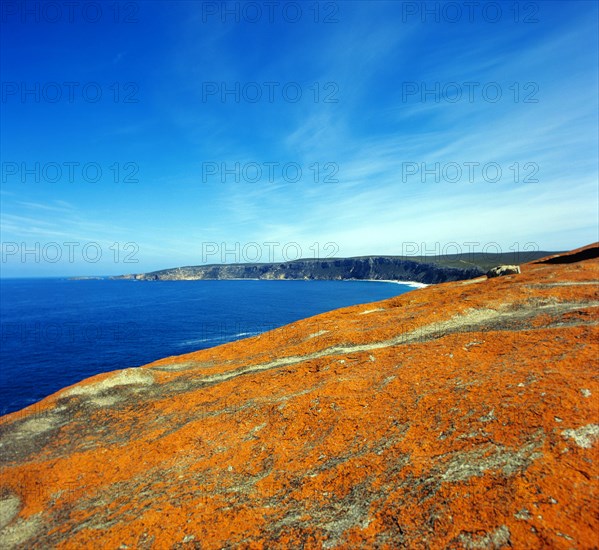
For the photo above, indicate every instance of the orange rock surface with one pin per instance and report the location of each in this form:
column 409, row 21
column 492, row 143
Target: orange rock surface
column 461, row 415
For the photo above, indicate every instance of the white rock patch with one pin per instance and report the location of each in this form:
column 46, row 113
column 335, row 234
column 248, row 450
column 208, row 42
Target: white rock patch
column 585, row 436
column 9, row 508
column 127, row 377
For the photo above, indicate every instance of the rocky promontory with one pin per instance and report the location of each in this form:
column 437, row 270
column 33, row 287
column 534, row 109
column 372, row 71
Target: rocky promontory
column 422, row 269
column 460, row 415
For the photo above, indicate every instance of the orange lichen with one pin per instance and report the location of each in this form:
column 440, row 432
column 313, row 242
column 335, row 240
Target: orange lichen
column 462, row 415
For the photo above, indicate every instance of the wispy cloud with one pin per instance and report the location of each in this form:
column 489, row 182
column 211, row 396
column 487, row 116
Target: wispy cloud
column 379, row 147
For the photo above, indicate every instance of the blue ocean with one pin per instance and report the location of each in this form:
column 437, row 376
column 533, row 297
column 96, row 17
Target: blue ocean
column 55, row 332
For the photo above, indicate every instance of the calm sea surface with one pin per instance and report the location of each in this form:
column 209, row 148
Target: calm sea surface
column 55, row 332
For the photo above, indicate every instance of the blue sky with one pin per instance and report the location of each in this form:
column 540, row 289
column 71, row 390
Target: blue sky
column 387, row 158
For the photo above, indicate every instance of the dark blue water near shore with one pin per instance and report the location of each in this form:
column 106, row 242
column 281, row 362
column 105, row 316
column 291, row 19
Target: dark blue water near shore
column 55, row 332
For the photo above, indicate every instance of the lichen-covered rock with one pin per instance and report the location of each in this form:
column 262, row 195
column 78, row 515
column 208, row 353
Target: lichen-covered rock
column 462, row 415
column 502, row 270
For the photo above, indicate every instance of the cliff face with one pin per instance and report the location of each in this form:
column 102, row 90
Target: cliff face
column 334, row 269
column 462, row 415
column 430, row 270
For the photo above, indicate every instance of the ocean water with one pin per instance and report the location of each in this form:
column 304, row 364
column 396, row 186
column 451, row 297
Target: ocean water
column 55, row 332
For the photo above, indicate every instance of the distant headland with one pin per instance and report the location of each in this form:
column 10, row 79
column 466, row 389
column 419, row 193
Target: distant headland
column 421, row 269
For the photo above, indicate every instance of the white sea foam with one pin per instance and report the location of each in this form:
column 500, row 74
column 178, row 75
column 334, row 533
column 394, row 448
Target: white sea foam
column 406, row 283
column 222, row 338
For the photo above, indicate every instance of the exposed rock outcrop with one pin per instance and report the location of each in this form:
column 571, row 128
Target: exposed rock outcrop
column 462, row 415
column 502, row 270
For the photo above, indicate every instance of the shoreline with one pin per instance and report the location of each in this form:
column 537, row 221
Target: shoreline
column 414, row 284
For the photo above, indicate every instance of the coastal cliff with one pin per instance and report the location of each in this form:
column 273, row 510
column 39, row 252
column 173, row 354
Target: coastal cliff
column 422, row 269
column 461, row 415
